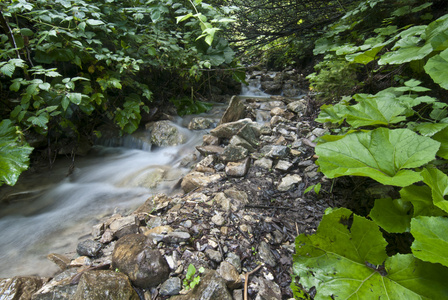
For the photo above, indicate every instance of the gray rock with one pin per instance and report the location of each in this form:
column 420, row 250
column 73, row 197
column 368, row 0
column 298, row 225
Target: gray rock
column 166, row 133
column 251, row 133
column 234, row 112
column 59, row 288
column 199, row 123
column 105, row 284
column 283, row 165
column 228, row 130
column 318, row 132
column 176, row 237
column 230, row 274
column 298, row 107
column 218, row 219
column 239, row 141
column 19, row 287
column 235, row 260
column 208, row 150
column 195, row 180
column 60, row 260
column 211, row 287
column 264, row 163
column 97, row 231
column 214, row 255
column 120, row 223
column 144, row 266
column 233, row 153
column 211, row 140
column 277, row 111
column 238, row 169
column 271, row 87
column 264, row 250
column 288, row 182
column 171, row 287
column 267, row 290
column 89, row 248
column 238, row 294
column 278, row 151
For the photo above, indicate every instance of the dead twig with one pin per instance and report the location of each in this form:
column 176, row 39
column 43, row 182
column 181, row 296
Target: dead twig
column 247, row 279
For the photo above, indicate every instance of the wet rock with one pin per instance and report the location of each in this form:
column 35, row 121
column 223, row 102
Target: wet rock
column 230, row 274
column 214, row 255
column 195, row 180
column 206, row 165
column 288, row 182
column 277, row 152
column 238, row 169
column 211, row 287
column 58, row 288
column 234, row 112
column 228, row 130
column 233, row 153
column 239, row 141
column 210, row 140
column 171, row 287
column 60, row 260
column 199, row 123
column 144, row 266
column 209, row 150
column 264, row 250
column 105, row 284
column 264, row 163
column 271, row 87
column 89, row 248
column 19, row 287
column 251, row 133
column 267, row 289
column 165, row 133
column 277, row 111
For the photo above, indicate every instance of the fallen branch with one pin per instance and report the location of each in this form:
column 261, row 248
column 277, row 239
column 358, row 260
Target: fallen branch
column 247, row 279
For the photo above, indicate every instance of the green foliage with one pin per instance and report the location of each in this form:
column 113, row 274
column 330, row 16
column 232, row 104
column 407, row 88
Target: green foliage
column 14, row 153
column 347, row 258
column 398, row 137
column 188, row 106
column 191, row 279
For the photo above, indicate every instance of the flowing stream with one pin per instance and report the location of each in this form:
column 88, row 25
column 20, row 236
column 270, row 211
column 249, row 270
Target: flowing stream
column 50, row 212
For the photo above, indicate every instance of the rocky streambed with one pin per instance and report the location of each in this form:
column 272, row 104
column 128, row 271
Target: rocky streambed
column 241, row 208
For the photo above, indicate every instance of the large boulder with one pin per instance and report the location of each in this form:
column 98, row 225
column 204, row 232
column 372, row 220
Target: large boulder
column 107, row 284
column 145, row 267
column 21, row 287
column 165, row 133
column 235, row 111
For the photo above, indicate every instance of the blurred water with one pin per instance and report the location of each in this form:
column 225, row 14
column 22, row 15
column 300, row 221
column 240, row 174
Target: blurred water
column 51, row 217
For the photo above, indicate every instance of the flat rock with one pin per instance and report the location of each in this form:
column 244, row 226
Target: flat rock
column 288, row 182
column 195, row 180
column 208, row 150
column 228, row 130
column 171, row 287
column 264, row 163
column 283, row 165
column 264, row 250
column 233, row 153
column 105, row 284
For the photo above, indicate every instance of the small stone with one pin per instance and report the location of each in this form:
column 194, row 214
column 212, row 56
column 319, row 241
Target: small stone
column 222, row 200
column 318, row 132
column 210, row 140
column 154, row 222
column 187, row 224
column 238, row 294
column 288, row 182
column 176, row 237
column 230, row 274
column 214, row 255
column 81, row 261
column 239, row 141
column 235, row 260
column 224, row 230
column 264, row 250
column 159, row 230
column 233, row 153
column 123, row 222
column 89, row 248
column 278, row 151
column 171, row 287
column 194, row 180
column 218, row 220
column 238, row 169
column 107, row 237
column 209, row 150
column 97, row 231
column 277, row 111
column 199, row 123
column 264, row 163
column 212, row 243
column 297, row 107
column 283, row 165
column 267, row 289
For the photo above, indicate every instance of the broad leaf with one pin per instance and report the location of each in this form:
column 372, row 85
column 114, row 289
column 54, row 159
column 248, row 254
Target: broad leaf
column 431, row 239
column 332, row 113
column 438, row 182
column 405, row 54
column 382, row 154
column 430, row 129
column 421, row 199
column 392, row 215
column 375, row 110
column 14, row 155
column 338, row 262
column 437, row 68
column 442, row 137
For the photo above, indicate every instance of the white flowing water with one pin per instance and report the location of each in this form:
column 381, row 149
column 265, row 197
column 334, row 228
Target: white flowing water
column 56, row 216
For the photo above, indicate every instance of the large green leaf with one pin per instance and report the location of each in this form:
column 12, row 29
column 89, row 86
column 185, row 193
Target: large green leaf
column 405, row 54
column 437, row 68
column 344, row 262
column 375, row 110
column 332, row 113
column 442, row 137
column 431, row 239
column 392, row 215
column 14, row 155
column 421, row 199
column 382, row 154
column 438, row 182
